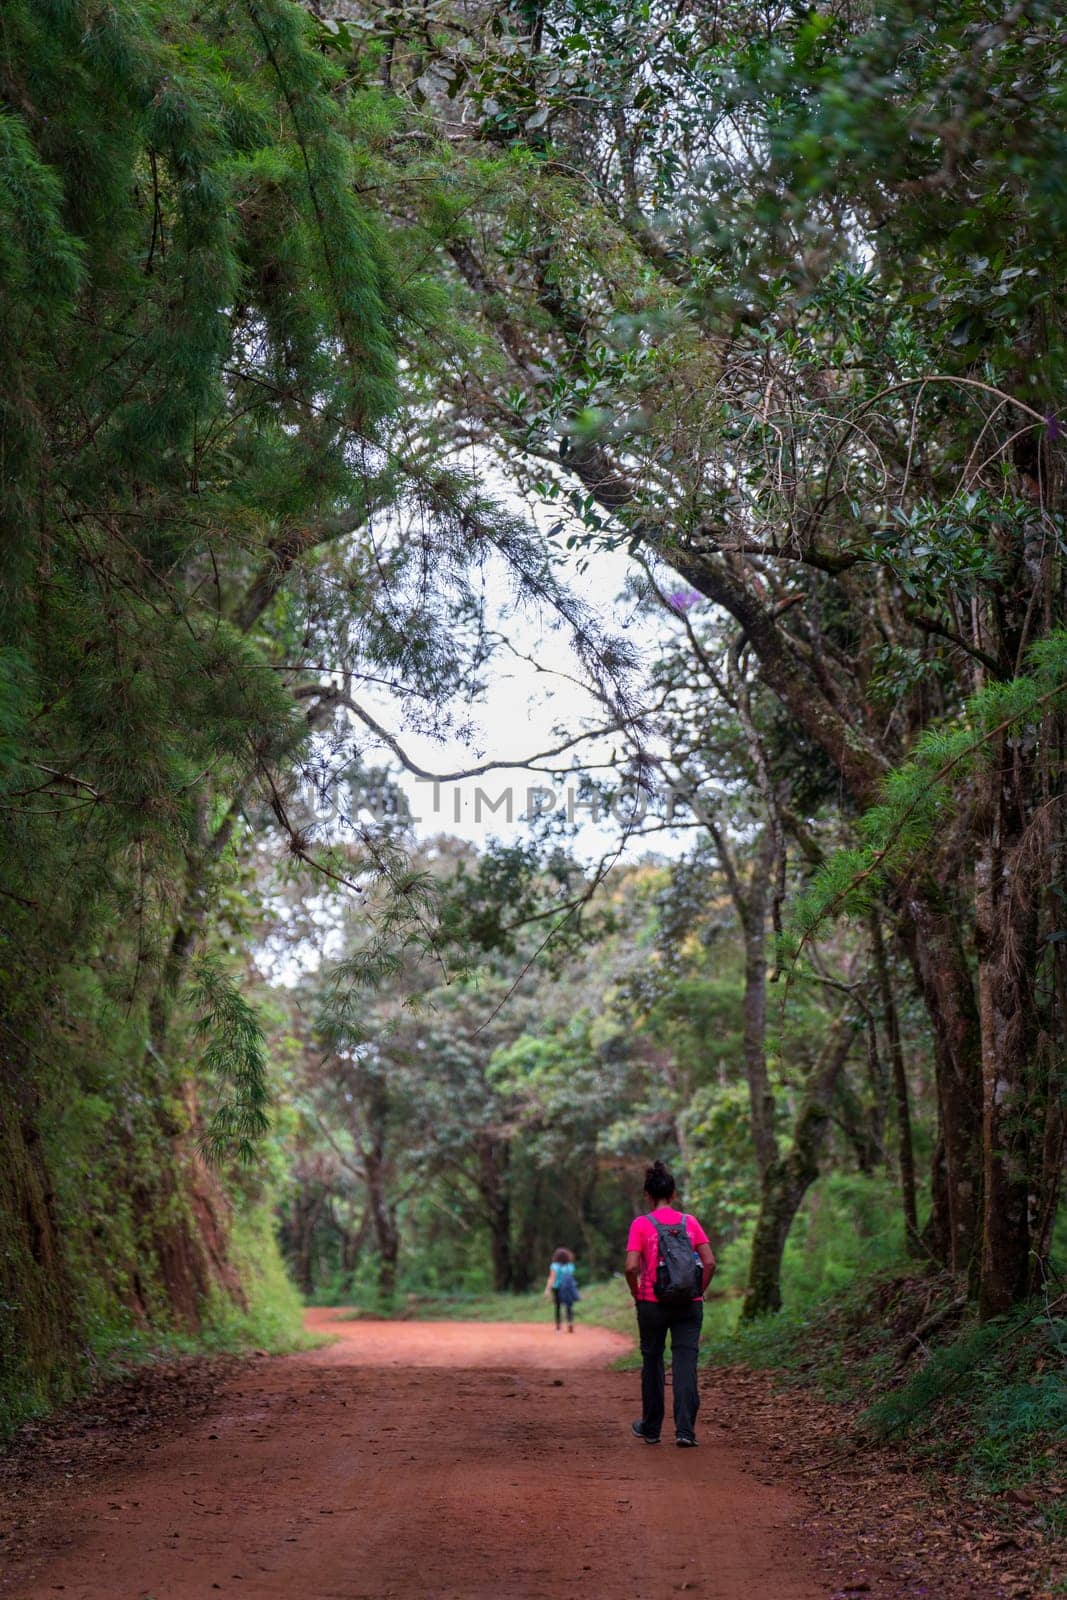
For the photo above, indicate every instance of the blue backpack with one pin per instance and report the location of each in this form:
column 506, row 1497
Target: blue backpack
column 566, row 1284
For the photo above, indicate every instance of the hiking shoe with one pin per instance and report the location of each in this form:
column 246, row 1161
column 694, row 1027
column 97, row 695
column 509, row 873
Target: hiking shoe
column 685, row 1441
column 639, row 1433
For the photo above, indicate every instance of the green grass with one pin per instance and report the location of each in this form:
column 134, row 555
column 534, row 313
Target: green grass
column 605, row 1305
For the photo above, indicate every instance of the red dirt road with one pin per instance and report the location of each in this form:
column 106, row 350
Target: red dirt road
column 437, row 1461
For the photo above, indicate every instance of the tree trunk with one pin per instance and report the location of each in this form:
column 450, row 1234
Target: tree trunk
column 932, row 939
column 879, row 1087
column 752, row 910
column 1054, row 1151
column 388, row 1255
column 383, row 1218
column 352, row 1243
column 39, row 1332
column 586, row 1197
column 531, row 1248
column 936, row 1237
column 299, row 1233
column 901, row 1103
column 1006, row 905
column 859, row 1127
column 494, row 1188
column 788, row 1178
column 182, row 1213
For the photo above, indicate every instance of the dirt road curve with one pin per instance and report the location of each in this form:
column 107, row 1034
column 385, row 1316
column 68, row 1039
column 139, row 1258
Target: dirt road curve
column 423, row 1460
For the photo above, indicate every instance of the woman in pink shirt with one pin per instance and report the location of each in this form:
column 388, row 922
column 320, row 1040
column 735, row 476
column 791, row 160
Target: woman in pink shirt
column 658, row 1310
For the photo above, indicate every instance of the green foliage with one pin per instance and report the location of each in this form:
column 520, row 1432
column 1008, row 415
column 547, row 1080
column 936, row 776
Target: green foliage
column 271, row 1317
column 488, row 907
column 723, row 1181
column 988, row 1401
column 34, row 1374
column 203, row 273
column 823, row 384
column 933, row 547
column 977, row 1363
column 992, row 1400
column 847, row 1229
column 202, row 342
column 919, row 796
column 268, row 1316
column 1020, row 1419
column 234, row 1058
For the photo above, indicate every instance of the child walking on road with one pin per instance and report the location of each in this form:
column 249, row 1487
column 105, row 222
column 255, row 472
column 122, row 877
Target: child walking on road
column 563, row 1287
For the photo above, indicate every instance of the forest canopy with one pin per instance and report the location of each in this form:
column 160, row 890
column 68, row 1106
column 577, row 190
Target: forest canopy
column 351, row 355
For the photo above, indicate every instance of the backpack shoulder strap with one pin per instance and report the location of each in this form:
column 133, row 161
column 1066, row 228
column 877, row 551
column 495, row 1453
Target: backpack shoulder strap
column 671, row 1227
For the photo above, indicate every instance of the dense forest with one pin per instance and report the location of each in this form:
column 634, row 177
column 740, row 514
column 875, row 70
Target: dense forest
column 352, row 354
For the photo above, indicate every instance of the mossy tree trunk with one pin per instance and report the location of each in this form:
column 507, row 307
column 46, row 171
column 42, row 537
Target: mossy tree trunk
column 786, row 1180
column 39, row 1324
column 1018, row 825
column 934, row 940
column 1006, row 900
column 901, row 1097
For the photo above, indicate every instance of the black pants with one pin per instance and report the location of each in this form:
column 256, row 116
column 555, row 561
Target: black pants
column 568, row 1305
column 683, row 1323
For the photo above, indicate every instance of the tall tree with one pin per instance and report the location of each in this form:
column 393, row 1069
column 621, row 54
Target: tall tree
column 200, row 346
column 798, row 337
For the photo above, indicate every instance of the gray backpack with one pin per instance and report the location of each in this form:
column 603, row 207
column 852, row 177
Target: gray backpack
column 679, row 1275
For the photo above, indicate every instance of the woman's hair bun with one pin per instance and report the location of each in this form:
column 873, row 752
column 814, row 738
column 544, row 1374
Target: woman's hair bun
column 659, row 1184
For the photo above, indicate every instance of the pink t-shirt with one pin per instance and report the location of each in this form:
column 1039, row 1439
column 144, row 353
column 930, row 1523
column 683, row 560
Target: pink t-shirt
column 645, row 1238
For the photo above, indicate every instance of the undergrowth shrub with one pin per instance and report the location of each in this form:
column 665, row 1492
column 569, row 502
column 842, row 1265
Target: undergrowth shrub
column 272, row 1318
column 992, row 1400
column 848, row 1229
